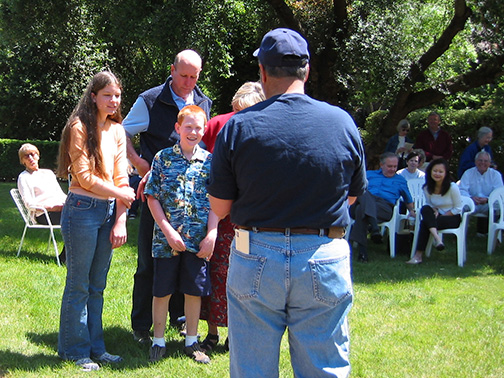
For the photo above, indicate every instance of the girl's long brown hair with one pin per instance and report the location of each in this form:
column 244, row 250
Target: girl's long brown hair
column 86, row 112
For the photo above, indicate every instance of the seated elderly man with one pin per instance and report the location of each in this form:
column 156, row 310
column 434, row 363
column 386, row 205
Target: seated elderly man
column 377, row 203
column 478, row 182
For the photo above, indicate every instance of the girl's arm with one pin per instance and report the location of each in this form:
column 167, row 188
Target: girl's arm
column 173, row 237
column 119, row 234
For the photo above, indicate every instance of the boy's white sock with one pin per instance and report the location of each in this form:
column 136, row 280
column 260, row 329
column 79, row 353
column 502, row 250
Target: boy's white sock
column 158, row 341
column 190, row 340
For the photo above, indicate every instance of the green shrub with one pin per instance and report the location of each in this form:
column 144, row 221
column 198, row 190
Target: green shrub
column 10, row 167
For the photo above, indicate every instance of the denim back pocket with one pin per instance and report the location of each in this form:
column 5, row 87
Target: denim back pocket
column 244, row 276
column 332, row 283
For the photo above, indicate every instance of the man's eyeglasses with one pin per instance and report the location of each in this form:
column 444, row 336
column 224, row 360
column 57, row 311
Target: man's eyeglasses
column 31, row 154
column 405, row 128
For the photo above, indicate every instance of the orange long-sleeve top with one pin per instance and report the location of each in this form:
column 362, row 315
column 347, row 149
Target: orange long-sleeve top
column 113, row 148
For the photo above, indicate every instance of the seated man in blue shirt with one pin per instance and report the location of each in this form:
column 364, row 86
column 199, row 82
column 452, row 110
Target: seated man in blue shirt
column 377, row 203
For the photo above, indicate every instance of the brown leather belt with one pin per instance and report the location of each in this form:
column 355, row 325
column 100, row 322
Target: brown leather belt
column 331, row 232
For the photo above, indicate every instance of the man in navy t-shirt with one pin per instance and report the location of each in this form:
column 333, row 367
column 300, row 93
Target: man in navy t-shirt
column 286, row 169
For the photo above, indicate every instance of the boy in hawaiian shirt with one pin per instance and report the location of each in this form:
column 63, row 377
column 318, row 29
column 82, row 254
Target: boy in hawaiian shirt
column 185, row 229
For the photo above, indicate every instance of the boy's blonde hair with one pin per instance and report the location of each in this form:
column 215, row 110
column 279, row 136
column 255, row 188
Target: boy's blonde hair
column 24, row 149
column 194, row 110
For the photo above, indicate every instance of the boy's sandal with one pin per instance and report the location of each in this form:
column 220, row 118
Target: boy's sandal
column 209, row 343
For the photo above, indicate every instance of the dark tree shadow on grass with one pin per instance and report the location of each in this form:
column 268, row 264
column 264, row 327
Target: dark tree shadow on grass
column 38, row 256
column 14, row 360
column 118, row 341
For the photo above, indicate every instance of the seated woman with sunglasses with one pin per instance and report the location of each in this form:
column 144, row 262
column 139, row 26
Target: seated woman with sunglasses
column 400, row 144
column 39, row 187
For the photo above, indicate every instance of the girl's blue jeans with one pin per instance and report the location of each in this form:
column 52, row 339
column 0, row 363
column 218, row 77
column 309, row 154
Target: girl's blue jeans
column 86, row 224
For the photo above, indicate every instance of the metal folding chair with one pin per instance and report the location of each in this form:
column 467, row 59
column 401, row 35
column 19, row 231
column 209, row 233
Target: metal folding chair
column 26, row 214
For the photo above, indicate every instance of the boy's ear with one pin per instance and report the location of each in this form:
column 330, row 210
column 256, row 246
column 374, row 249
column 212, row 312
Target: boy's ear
column 177, row 127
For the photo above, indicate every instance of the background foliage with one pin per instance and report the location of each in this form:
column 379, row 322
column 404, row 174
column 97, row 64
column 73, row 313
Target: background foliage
column 396, row 56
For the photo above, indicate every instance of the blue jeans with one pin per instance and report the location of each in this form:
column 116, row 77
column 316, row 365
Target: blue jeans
column 301, row 283
column 85, row 225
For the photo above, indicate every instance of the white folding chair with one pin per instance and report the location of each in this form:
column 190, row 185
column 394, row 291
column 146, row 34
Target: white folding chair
column 393, row 227
column 26, row 214
column 495, row 210
column 460, row 232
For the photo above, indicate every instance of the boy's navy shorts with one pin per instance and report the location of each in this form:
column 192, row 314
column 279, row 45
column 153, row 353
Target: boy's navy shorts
column 185, row 272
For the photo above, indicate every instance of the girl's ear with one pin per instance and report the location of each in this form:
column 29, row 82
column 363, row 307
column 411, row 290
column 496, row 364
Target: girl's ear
column 93, row 97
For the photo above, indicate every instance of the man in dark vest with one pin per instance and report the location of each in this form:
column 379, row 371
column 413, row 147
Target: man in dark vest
column 153, row 115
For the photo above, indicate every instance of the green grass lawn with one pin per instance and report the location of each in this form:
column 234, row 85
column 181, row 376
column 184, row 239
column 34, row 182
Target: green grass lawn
column 431, row 320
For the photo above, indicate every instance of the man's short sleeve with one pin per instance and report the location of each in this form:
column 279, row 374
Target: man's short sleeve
column 221, row 183
column 137, row 120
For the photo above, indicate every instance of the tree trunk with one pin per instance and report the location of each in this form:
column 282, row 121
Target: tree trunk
column 407, row 100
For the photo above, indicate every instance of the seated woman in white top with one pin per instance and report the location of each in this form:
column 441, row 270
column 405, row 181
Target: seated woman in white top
column 442, row 210
column 411, row 171
column 39, row 187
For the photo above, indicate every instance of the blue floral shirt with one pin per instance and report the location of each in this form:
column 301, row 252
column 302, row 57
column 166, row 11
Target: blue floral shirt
column 179, row 186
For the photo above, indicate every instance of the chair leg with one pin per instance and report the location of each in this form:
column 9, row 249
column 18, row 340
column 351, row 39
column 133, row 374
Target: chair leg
column 428, row 248
column 460, row 250
column 392, row 243
column 55, row 245
column 22, row 240
column 414, row 244
column 492, row 239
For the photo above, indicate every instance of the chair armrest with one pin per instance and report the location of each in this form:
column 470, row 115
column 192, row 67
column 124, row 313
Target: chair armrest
column 33, row 210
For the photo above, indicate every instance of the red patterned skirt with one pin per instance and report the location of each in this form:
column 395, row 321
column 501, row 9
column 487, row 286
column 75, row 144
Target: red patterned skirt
column 214, row 306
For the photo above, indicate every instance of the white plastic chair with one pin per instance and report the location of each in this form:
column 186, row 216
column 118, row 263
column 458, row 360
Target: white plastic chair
column 415, row 187
column 495, row 227
column 460, row 232
column 393, row 227
column 30, row 222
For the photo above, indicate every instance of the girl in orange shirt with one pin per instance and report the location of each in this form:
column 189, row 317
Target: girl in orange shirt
column 93, row 222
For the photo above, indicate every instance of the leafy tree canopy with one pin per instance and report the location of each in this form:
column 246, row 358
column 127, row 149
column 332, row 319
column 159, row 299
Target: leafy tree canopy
column 394, row 55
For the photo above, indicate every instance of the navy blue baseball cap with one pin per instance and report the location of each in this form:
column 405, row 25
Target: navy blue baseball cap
column 283, row 48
